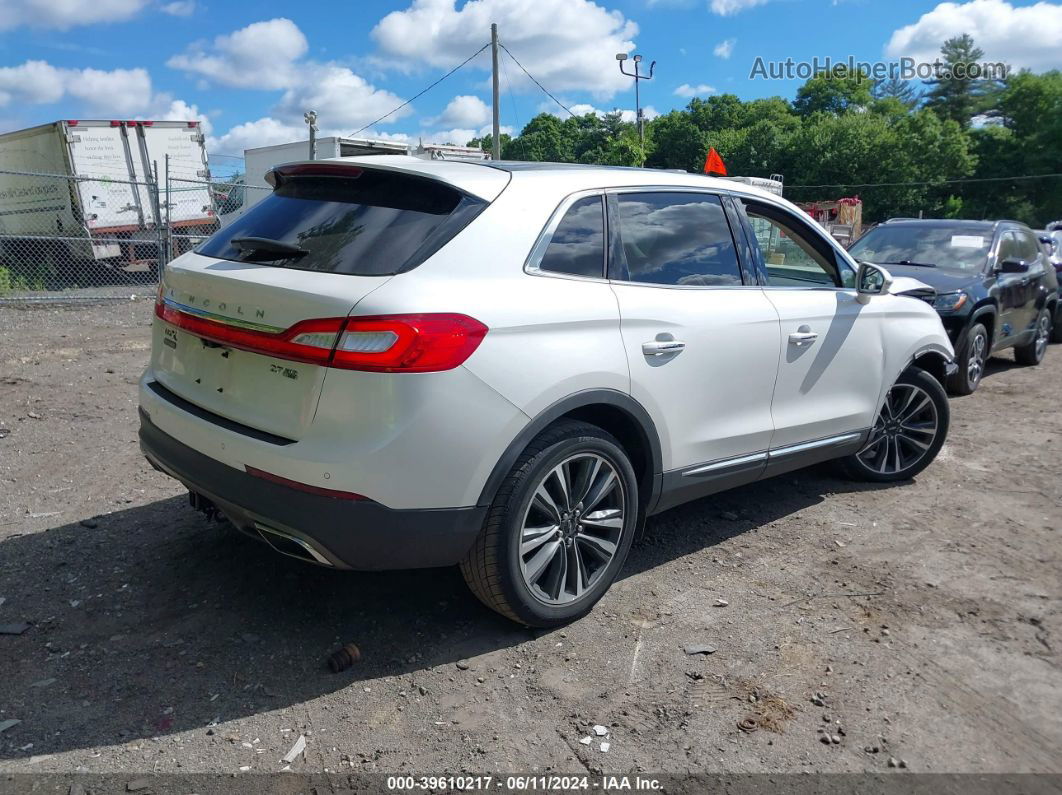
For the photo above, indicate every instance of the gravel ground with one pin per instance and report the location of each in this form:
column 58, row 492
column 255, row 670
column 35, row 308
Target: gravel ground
column 853, row 625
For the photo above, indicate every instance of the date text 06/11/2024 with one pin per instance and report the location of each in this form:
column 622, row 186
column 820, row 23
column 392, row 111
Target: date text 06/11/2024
column 472, row 783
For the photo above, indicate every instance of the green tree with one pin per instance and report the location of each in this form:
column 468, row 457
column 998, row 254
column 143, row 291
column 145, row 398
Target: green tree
column 677, row 142
column 721, row 112
column 542, row 139
column 486, row 143
column 1023, row 140
column 836, row 91
column 953, row 94
column 895, row 88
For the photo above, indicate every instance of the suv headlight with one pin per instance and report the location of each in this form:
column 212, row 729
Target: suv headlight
column 949, row 302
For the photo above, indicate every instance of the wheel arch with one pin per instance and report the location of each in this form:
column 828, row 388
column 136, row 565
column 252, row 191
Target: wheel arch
column 615, row 412
column 933, row 361
column 986, row 314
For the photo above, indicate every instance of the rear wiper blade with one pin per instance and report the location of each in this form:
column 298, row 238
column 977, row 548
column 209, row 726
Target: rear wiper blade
column 267, row 249
column 910, row 262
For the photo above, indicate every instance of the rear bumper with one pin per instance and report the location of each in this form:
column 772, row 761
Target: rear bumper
column 342, row 533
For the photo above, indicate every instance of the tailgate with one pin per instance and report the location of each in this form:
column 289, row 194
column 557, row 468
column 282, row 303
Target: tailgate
column 265, row 392
column 248, row 324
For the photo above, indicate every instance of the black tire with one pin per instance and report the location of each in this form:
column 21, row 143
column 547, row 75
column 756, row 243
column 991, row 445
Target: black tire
column 1056, row 327
column 1032, row 353
column 889, row 432
column 973, row 354
column 495, row 568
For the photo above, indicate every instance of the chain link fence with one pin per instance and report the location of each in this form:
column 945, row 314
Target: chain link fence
column 87, row 238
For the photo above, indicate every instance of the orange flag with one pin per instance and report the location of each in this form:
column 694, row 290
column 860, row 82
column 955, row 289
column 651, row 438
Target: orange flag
column 713, row 164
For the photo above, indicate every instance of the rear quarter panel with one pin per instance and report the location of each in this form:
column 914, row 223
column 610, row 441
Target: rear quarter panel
column 549, row 337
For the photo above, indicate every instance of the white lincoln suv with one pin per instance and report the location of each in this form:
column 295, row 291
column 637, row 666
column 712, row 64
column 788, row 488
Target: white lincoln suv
column 395, row 363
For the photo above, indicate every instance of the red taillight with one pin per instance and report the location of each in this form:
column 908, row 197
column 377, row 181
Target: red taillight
column 294, row 484
column 421, row 343
column 407, row 343
column 310, row 341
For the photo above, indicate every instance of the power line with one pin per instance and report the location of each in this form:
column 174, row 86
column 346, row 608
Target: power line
column 422, row 93
column 927, row 182
column 535, row 81
column 512, row 98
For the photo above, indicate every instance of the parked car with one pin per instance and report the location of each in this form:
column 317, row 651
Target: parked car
column 1052, row 240
column 995, row 287
column 397, row 363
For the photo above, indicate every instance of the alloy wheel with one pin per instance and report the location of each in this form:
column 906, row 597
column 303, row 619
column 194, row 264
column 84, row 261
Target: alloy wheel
column 903, row 433
column 572, row 527
column 975, row 365
column 1043, row 334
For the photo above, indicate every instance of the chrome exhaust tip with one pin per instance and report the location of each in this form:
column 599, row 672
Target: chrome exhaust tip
column 293, row 547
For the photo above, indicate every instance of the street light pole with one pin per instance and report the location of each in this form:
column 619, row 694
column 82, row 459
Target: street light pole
column 638, row 77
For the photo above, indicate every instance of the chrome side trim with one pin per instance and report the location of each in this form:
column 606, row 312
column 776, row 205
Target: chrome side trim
column 829, row 441
column 724, row 463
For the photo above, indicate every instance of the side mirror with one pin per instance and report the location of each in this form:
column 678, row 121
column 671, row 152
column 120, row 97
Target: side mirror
column 1013, row 266
column 872, row 279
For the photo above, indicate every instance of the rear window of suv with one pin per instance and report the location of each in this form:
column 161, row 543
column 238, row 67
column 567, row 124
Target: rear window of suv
column 362, row 222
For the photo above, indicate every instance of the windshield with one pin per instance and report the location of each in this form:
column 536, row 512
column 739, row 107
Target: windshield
column 942, row 246
column 372, row 223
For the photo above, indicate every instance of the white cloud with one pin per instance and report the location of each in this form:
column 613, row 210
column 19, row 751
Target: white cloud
column 164, row 108
column 65, row 14
column 36, row 82
column 263, row 132
column 178, row 8
column 1028, row 36
column 699, row 90
column 120, row 92
column 270, row 55
column 261, row 55
column 725, row 48
column 341, row 98
column 726, row 8
column 461, row 136
column 463, row 111
column 568, row 45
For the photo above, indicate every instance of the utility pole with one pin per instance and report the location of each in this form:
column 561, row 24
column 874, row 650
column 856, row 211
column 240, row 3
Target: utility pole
column 495, row 136
column 310, row 117
column 638, row 78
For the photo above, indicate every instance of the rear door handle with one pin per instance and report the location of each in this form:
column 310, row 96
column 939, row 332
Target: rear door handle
column 801, row 338
column 660, row 348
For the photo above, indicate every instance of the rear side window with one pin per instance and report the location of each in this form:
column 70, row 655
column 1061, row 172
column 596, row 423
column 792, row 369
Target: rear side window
column 680, row 239
column 577, row 247
column 365, row 223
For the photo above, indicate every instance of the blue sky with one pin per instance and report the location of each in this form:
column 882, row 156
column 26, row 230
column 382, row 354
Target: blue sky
column 250, row 69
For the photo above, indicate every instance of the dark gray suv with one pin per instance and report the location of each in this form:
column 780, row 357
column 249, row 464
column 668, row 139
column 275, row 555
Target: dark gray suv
column 996, row 288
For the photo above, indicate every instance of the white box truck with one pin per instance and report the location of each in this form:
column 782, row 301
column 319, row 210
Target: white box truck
column 81, row 190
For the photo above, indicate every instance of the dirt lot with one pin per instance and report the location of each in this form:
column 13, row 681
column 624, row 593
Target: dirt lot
column 919, row 622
